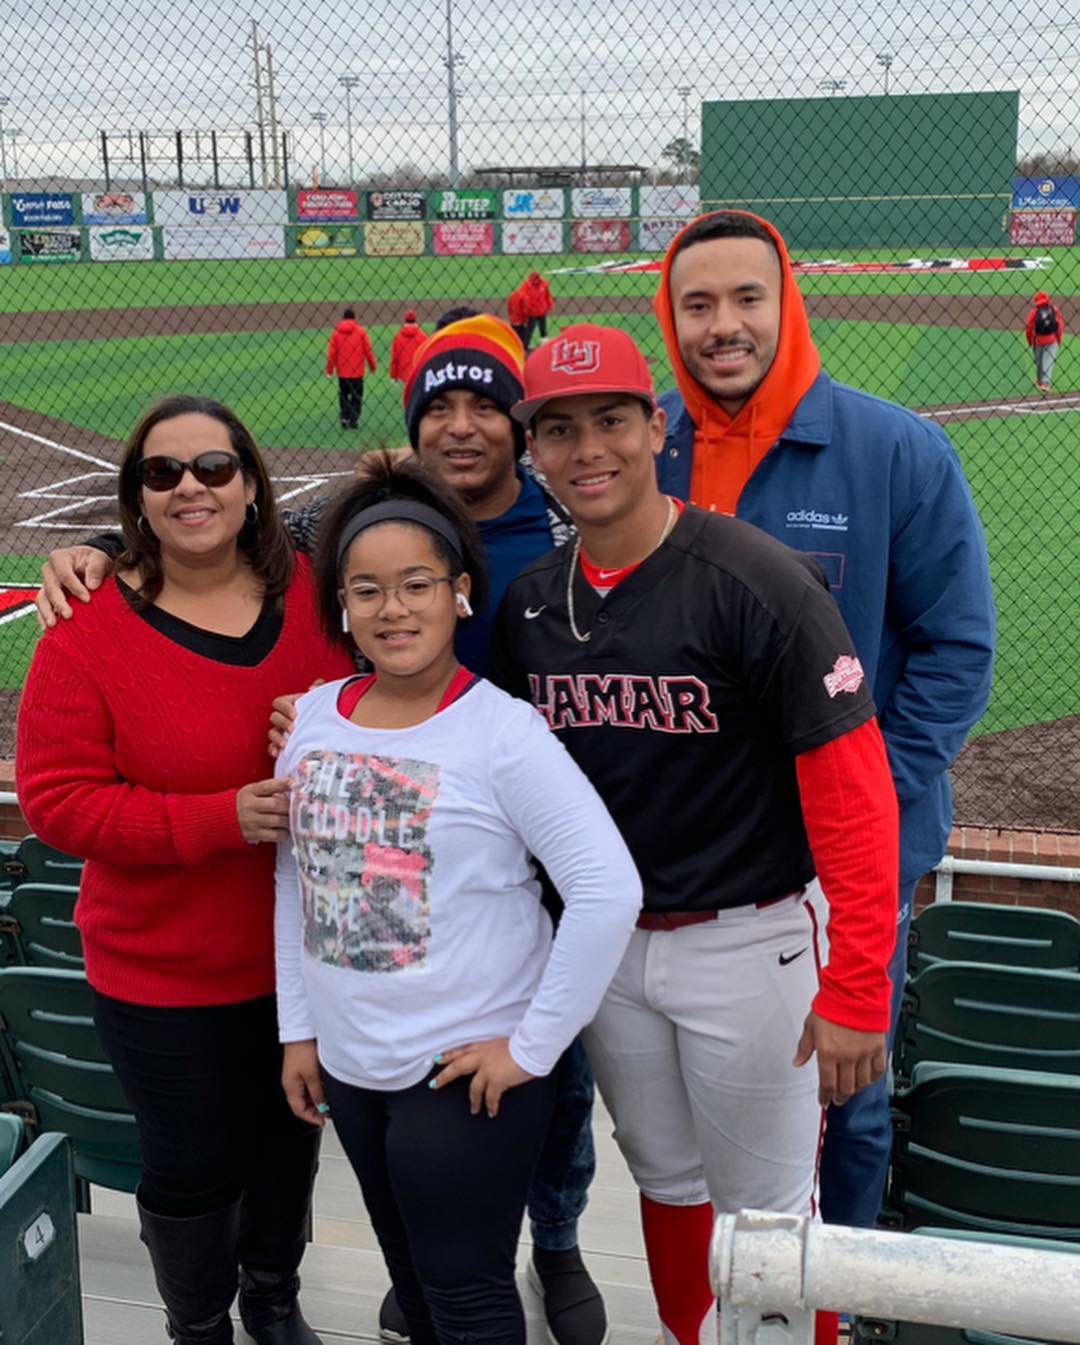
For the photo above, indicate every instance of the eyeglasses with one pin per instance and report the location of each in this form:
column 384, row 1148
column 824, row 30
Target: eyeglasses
column 415, row 594
column 209, row 469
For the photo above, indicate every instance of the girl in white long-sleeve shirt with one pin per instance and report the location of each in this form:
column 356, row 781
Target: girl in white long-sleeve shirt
column 420, row 993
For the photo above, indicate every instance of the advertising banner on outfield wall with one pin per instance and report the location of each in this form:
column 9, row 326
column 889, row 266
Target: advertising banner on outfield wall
column 1046, row 193
column 395, row 205
column 532, row 236
column 343, row 241
column 5, row 248
column 533, row 203
column 600, row 202
column 402, row 239
column 464, row 238
column 678, row 202
column 114, row 207
column 607, row 235
column 1055, row 228
column 50, row 245
column 49, row 208
column 220, row 209
column 121, row 243
column 232, row 240
column 464, row 205
column 327, row 207
column 655, row 235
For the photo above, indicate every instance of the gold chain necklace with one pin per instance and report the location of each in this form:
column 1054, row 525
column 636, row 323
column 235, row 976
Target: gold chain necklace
column 669, row 523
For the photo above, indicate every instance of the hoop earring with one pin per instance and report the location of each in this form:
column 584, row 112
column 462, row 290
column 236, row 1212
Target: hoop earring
column 251, row 513
column 464, row 606
column 345, row 628
column 143, row 524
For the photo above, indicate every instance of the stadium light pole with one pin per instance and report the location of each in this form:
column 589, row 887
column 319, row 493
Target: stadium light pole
column 4, row 100
column 832, row 85
column 319, row 118
column 12, row 133
column 885, row 60
column 349, row 82
column 684, row 93
column 451, row 93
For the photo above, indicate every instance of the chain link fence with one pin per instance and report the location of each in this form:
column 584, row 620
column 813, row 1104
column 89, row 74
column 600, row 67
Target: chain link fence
column 193, row 193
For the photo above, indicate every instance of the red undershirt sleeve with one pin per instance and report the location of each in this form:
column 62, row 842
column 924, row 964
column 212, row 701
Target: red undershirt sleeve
column 852, row 821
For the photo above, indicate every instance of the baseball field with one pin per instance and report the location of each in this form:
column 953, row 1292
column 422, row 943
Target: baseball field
column 83, row 348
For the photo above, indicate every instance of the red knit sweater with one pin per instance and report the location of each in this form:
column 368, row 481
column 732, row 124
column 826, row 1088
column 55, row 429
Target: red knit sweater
column 130, row 753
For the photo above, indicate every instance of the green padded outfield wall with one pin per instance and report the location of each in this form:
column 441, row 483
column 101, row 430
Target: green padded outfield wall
column 919, row 170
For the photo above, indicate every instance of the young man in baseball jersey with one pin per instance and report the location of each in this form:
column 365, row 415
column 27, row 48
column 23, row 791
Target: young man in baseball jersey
column 877, row 495
column 701, row 675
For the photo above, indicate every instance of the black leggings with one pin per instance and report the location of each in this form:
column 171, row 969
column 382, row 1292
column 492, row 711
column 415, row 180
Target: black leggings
column 205, row 1086
column 446, row 1192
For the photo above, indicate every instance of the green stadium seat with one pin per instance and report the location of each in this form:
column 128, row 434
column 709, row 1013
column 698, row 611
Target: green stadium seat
column 1014, row 936
column 12, row 1139
column 978, row 1013
column 867, row 1330
column 40, row 1299
column 39, row 918
column 36, row 862
column 62, row 1077
column 991, row 1150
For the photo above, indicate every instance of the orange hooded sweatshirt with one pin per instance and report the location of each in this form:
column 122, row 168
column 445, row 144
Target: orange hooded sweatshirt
column 727, row 449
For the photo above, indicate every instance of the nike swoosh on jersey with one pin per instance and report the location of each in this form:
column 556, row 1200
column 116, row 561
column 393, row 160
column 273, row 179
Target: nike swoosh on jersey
column 607, row 574
column 531, row 613
column 785, row 960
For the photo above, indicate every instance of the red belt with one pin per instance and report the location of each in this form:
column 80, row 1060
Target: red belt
column 654, row 920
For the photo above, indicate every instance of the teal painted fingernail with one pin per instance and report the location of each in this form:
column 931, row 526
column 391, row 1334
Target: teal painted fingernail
column 432, row 1083
column 437, row 1058
column 323, row 1108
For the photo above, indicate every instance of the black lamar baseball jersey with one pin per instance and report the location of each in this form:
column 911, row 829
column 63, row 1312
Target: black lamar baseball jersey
column 712, row 666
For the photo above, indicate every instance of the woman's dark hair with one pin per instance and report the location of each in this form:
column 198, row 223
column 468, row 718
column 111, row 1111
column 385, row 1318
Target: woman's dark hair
column 385, row 478
column 723, row 224
column 455, row 315
column 264, row 542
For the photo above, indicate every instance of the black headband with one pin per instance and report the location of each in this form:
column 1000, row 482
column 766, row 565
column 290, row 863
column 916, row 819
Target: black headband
column 399, row 511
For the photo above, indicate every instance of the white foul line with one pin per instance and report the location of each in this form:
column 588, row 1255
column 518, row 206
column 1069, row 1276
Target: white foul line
column 60, row 448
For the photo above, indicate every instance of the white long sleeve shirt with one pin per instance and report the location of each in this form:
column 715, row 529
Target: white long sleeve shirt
column 408, row 915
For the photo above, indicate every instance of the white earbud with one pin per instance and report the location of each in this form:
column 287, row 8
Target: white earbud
column 463, row 605
column 345, row 622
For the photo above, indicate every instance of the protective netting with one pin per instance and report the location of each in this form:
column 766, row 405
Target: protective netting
column 193, row 193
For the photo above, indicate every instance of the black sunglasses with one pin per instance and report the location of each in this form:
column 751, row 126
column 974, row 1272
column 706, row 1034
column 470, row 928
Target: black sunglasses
column 216, row 468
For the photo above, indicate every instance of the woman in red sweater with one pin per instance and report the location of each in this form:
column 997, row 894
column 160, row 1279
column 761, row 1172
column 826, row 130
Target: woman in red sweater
column 142, row 747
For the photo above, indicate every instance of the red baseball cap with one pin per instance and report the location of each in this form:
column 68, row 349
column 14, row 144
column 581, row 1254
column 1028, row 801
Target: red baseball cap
column 583, row 359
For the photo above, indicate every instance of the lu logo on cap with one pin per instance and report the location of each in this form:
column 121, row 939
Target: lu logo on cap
column 575, row 357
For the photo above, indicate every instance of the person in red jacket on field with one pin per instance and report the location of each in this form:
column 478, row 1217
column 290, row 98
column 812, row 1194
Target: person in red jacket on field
column 404, row 347
column 536, row 293
column 1044, row 330
column 518, row 315
column 348, row 354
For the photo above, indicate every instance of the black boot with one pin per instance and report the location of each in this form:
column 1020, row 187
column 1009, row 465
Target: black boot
column 194, row 1262
column 277, row 1209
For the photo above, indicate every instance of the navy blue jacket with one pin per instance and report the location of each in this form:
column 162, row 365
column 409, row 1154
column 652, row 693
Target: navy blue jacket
column 877, row 495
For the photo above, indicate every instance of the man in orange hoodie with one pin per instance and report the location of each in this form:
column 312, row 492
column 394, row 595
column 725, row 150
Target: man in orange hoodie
column 877, row 496
column 518, row 315
column 1044, row 329
column 348, row 355
column 404, row 347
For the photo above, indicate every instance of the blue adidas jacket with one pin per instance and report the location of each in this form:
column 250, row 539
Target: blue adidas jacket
column 877, row 495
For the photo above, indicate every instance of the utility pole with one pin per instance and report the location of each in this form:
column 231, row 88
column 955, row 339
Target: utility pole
column 259, row 100
column 350, row 82
column 12, row 133
column 4, row 100
column 274, row 145
column 319, row 118
column 684, row 93
column 885, row 60
column 451, row 93
column 584, row 150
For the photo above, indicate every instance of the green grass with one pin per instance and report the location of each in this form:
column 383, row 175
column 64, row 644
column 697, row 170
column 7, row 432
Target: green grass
column 1022, row 469
column 407, row 279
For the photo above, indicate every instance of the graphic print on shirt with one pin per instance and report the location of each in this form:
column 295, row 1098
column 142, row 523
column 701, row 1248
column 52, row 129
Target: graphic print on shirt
column 360, row 831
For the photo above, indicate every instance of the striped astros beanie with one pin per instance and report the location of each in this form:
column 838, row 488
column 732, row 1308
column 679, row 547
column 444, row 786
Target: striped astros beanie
column 481, row 354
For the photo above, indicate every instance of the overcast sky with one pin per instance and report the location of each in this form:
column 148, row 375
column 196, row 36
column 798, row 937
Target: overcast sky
column 523, row 65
